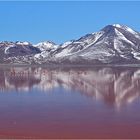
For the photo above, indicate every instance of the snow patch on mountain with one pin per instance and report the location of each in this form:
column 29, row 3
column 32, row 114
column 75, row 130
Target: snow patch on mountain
column 66, row 44
column 126, row 28
column 121, row 36
column 6, row 51
column 22, row 43
column 46, row 45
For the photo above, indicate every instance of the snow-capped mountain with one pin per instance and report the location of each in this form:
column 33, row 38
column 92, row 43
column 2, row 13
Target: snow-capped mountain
column 112, row 44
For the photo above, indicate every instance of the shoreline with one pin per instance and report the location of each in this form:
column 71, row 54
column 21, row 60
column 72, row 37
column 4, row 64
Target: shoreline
column 69, row 65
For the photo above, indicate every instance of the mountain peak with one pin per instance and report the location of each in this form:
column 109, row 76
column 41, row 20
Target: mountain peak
column 126, row 28
column 109, row 30
column 113, row 26
column 118, row 25
column 22, row 43
column 46, row 45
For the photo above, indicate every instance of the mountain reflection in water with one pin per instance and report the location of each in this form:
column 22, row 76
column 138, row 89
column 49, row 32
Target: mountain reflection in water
column 101, row 102
column 113, row 85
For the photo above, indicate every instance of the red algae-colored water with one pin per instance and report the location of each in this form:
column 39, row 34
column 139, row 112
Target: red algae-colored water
column 70, row 103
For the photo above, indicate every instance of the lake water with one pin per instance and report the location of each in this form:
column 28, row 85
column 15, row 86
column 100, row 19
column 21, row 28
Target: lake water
column 99, row 102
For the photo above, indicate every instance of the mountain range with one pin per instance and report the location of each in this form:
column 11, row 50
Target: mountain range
column 114, row 44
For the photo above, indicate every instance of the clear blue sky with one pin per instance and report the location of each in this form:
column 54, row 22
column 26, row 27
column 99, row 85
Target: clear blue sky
column 63, row 21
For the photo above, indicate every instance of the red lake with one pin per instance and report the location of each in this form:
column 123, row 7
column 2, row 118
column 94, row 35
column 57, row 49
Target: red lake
column 101, row 102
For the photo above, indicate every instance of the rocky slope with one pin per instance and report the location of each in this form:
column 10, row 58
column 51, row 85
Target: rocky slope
column 112, row 44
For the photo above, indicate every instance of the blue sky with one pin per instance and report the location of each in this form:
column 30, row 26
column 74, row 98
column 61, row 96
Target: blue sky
column 63, row 21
